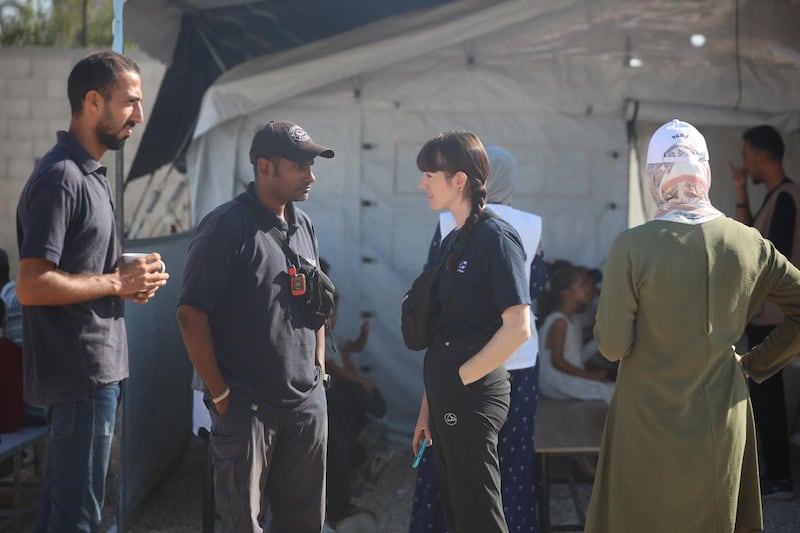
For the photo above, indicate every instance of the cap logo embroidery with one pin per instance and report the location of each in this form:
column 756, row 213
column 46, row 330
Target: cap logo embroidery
column 298, row 134
column 450, row 419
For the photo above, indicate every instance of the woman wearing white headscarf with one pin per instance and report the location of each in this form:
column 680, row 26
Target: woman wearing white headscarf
column 679, row 449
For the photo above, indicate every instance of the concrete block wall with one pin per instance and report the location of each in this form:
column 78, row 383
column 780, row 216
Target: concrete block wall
column 33, row 106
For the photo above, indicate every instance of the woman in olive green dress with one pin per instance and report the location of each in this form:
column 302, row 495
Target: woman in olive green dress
column 679, row 448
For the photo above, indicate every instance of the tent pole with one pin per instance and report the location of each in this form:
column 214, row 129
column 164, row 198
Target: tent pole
column 118, row 46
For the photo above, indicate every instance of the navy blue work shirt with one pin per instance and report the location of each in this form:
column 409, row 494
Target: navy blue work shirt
column 66, row 216
column 489, row 278
column 237, row 274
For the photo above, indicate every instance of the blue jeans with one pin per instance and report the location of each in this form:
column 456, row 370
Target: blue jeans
column 78, row 452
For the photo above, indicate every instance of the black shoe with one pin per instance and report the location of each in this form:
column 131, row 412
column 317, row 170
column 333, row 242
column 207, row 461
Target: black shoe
column 781, row 489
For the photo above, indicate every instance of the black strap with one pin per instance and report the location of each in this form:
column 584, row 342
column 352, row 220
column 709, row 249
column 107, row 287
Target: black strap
column 273, row 231
column 287, row 250
column 440, row 265
column 460, row 242
column 290, row 254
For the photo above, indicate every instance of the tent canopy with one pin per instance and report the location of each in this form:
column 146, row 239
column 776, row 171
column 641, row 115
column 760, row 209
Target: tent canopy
column 200, row 39
column 750, row 60
column 553, row 81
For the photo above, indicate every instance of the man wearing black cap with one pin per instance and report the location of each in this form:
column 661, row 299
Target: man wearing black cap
column 249, row 339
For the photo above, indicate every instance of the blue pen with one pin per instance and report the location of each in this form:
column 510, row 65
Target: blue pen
column 418, row 458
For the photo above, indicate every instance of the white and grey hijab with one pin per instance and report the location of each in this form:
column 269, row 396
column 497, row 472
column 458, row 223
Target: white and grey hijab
column 679, row 175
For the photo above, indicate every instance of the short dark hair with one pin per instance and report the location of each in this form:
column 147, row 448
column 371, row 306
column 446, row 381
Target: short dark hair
column 766, row 138
column 96, row 72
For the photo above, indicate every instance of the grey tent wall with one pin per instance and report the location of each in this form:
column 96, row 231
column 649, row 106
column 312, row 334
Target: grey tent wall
column 157, row 399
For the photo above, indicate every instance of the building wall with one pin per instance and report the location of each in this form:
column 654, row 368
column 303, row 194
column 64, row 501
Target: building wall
column 33, row 106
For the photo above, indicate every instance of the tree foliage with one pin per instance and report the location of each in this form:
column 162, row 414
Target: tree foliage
column 64, row 23
column 25, row 24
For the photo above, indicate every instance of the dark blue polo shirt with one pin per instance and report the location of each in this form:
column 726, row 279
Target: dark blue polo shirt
column 237, row 274
column 489, row 278
column 66, row 215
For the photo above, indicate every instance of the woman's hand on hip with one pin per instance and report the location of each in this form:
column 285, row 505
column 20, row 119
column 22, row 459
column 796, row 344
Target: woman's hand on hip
column 740, row 361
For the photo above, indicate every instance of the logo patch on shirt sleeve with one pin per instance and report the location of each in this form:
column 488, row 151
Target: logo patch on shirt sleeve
column 462, row 267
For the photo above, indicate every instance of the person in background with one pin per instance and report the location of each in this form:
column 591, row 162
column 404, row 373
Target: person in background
column 515, row 441
column 12, row 406
column 11, row 388
column 590, row 354
column 71, row 291
column 11, row 322
column 243, row 320
column 5, row 270
column 587, row 313
column 352, row 399
column 565, row 368
column 483, row 290
column 678, row 450
column 777, row 220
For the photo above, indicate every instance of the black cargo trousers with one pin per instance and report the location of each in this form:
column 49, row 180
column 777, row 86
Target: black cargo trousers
column 464, row 423
column 266, row 454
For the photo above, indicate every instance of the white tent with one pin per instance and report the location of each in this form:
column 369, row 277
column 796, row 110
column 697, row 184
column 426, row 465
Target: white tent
column 553, row 81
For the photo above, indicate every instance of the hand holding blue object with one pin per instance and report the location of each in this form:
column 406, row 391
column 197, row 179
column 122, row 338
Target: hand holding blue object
column 418, row 458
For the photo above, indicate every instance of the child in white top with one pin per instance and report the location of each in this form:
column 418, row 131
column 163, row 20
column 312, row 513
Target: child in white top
column 564, row 372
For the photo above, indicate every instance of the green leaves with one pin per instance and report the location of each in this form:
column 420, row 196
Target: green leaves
column 63, row 23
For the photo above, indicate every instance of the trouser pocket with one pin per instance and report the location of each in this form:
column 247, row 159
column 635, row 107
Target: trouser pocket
column 233, row 459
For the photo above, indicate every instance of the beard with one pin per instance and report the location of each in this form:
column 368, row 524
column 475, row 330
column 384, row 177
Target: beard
column 113, row 140
column 109, row 140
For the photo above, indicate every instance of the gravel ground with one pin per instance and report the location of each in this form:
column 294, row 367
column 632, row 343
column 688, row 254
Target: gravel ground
column 176, row 505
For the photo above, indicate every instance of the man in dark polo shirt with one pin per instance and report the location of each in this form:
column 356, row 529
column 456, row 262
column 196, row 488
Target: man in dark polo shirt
column 250, row 341
column 71, row 291
column 777, row 220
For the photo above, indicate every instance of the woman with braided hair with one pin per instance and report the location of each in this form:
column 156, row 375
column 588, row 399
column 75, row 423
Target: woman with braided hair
column 482, row 293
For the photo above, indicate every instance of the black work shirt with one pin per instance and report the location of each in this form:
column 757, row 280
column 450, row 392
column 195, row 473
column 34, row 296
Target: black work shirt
column 66, row 216
column 237, row 274
column 489, row 278
column 782, row 225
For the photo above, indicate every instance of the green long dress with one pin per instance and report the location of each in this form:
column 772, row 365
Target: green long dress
column 678, row 451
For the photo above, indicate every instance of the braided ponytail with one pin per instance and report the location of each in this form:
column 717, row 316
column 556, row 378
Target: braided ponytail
column 478, row 197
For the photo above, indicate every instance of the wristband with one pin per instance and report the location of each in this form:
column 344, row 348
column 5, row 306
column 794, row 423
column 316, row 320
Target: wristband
column 224, row 394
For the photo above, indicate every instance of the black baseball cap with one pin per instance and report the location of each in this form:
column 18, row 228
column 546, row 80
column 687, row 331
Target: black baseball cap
column 286, row 140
